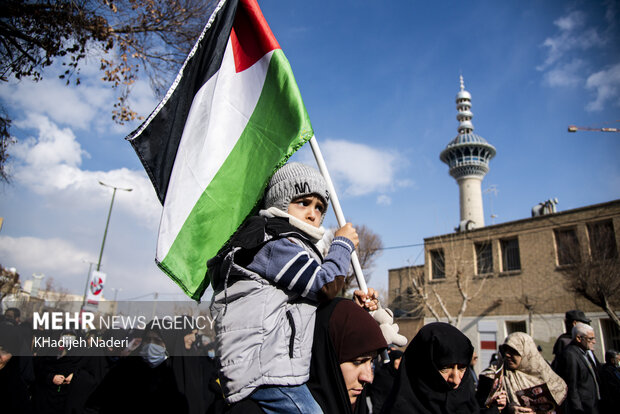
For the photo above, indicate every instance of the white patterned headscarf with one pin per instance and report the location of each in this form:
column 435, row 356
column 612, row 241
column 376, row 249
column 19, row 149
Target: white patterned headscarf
column 533, row 370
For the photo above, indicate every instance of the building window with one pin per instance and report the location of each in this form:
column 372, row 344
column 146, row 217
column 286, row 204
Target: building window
column 611, row 334
column 438, row 268
column 484, row 258
column 515, row 326
column 510, row 255
column 602, row 240
column 567, row 246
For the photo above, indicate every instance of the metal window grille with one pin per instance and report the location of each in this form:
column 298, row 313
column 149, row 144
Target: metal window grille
column 484, row 258
column 602, row 240
column 611, row 334
column 567, row 246
column 515, row 326
column 510, row 255
column 438, row 270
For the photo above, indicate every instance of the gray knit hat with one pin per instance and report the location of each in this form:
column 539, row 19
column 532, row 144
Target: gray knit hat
column 292, row 181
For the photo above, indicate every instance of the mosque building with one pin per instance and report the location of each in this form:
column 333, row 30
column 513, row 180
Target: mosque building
column 493, row 280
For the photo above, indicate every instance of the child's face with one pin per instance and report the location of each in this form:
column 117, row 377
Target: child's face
column 308, row 209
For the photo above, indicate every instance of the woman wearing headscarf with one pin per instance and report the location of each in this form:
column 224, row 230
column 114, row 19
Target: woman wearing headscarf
column 524, row 367
column 433, row 375
column 187, row 366
column 346, row 341
column 385, row 375
column 143, row 382
column 56, row 369
column 14, row 392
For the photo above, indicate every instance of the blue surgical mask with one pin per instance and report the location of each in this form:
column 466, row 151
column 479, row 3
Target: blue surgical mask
column 153, row 354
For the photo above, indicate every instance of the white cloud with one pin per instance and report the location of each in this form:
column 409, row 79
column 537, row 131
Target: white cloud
column 360, row 170
column 54, row 145
column 384, row 200
column 566, row 75
column 50, row 163
column 573, row 51
column 606, row 83
column 571, row 21
column 75, row 106
column 572, row 36
column 55, row 255
column 87, row 106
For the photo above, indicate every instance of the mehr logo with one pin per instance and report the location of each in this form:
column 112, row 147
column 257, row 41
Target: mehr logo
column 63, row 320
column 96, row 285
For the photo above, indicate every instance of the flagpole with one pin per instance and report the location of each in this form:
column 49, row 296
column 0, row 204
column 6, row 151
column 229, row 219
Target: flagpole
column 357, row 268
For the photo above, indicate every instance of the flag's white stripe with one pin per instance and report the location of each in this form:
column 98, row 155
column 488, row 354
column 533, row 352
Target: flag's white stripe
column 219, row 113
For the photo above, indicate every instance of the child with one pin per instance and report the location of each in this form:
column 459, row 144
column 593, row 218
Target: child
column 268, row 281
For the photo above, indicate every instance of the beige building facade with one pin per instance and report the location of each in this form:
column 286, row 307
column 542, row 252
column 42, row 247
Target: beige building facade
column 511, row 274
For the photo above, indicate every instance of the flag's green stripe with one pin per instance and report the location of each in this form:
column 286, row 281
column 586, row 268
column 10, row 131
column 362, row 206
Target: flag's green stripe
column 278, row 126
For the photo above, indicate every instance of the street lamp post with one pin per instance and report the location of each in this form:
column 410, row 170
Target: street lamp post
column 105, row 233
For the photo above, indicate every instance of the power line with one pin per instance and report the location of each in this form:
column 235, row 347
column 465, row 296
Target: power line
column 400, row 247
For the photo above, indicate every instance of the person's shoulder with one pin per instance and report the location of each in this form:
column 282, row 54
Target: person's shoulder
column 289, row 242
column 572, row 352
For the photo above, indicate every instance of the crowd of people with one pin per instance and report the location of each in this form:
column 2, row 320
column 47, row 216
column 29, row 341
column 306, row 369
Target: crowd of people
column 158, row 371
column 286, row 343
column 171, row 371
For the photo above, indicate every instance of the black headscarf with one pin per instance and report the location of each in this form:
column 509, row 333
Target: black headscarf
column 343, row 331
column 420, row 388
column 188, row 369
column 385, row 375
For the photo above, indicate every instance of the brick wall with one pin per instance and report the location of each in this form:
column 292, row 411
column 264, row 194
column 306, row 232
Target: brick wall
column 538, row 286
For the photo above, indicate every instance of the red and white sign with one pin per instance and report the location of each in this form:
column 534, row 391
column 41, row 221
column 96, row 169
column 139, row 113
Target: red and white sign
column 95, row 287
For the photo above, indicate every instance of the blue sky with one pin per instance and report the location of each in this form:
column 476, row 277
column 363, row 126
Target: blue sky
column 379, row 82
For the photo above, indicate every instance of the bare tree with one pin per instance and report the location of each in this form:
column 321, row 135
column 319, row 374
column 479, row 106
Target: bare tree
column 5, row 142
column 132, row 38
column 56, row 294
column 368, row 250
column 133, row 35
column 457, row 272
column 594, row 272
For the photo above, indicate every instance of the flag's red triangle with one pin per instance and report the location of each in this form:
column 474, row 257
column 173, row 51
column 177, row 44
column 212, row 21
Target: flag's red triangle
column 251, row 36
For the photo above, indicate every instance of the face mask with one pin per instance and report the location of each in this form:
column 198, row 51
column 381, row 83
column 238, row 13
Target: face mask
column 211, row 354
column 153, row 354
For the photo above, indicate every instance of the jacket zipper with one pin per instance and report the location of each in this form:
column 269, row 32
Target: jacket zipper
column 291, row 343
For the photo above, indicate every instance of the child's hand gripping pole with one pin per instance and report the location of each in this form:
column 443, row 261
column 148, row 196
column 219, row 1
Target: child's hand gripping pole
column 337, row 209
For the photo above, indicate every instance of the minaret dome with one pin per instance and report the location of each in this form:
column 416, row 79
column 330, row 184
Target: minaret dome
column 468, row 157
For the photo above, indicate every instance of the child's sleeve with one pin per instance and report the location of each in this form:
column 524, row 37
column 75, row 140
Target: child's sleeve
column 290, row 267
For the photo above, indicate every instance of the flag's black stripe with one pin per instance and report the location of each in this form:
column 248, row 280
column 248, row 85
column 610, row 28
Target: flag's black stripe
column 158, row 143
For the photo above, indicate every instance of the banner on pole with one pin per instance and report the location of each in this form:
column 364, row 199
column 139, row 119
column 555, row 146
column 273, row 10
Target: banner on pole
column 95, row 287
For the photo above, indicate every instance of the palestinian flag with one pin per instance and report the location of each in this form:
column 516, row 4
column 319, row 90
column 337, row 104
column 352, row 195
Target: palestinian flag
column 232, row 117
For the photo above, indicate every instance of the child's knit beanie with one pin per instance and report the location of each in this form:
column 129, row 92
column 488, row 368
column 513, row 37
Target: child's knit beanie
column 292, row 181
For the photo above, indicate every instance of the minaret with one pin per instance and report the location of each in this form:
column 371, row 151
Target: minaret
column 468, row 157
